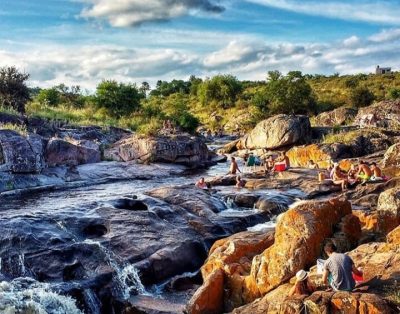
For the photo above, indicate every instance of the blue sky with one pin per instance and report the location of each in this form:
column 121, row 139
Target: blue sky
column 85, row 41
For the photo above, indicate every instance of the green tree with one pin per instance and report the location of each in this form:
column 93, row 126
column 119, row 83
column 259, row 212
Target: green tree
column 361, row 97
column 223, row 89
column 118, row 99
column 13, row 90
column 394, row 93
column 289, row 93
column 50, row 96
column 144, row 88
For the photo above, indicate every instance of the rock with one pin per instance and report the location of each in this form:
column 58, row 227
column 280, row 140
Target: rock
column 209, row 298
column 384, row 114
column 299, row 237
column 392, row 156
column 180, row 149
column 389, row 209
column 339, row 116
column 277, row 132
column 229, row 148
column 6, row 118
column 71, row 153
column 394, row 236
column 20, row 154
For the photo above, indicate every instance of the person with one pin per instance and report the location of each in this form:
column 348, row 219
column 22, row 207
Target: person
column 339, row 269
column 251, row 161
column 201, row 184
column 240, row 183
column 338, row 178
column 234, row 166
column 364, row 172
column 284, row 159
column 312, row 165
column 269, row 164
column 352, row 175
column 303, row 285
column 376, row 172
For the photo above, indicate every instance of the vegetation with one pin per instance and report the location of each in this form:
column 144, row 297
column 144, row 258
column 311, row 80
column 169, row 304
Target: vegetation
column 21, row 129
column 13, row 90
column 219, row 101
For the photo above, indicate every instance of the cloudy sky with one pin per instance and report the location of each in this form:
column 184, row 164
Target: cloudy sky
column 85, row 41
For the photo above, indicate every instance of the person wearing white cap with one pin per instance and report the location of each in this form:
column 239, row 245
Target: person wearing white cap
column 303, row 285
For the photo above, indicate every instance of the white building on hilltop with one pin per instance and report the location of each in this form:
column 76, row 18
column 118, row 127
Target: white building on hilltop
column 380, row 70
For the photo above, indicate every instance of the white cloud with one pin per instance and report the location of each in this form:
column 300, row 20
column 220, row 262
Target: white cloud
column 125, row 13
column 386, row 35
column 381, row 12
column 247, row 58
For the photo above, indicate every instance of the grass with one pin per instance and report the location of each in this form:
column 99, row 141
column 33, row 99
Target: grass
column 392, row 293
column 21, row 129
column 348, row 137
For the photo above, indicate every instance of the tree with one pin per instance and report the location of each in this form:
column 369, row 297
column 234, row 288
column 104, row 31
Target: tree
column 50, row 96
column 223, row 89
column 144, row 88
column 361, row 97
column 13, row 90
column 118, row 99
column 288, row 94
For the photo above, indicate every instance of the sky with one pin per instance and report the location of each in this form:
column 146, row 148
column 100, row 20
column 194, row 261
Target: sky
column 82, row 42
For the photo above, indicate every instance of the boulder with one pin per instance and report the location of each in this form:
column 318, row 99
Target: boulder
column 21, row 154
column 180, row 149
column 394, row 236
column 392, row 156
column 389, row 209
column 277, row 132
column 339, row 116
column 300, row 234
column 384, row 114
column 209, row 298
column 72, row 152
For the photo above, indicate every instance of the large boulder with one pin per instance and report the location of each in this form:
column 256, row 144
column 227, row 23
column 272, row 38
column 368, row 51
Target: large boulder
column 392, row 156
column 21, row 154
column 72, row 152
column 277, row 132
column 382, row 114
column 299, row 237
column 389, row 209
column 394, row 236
column 180, row 149
column 339, row 116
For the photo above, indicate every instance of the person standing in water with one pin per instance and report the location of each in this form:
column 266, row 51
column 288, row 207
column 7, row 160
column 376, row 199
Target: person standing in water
column 234, row 166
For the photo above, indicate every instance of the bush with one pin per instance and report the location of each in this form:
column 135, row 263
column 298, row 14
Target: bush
column 394, row 93
column 118, row 99
column 49, row 97
column 361, row 97
column 13, row 90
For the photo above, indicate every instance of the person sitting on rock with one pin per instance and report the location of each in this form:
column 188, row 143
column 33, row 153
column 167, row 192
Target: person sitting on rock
column 234, row 166
column 303, row 285
column 339, row 178
column 269, row 164
column 339, row 269
column 364, row 172
column 376, row 172
column 312, row 164
column 201, row 184
column 284, row 159
column 240, row 183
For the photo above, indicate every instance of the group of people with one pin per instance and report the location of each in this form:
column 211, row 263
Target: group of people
column 362, row 173
column 269, row 164
column 339, row 273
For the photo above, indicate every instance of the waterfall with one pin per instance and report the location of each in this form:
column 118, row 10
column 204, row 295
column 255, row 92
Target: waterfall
column 92, row 301
column 127, row 280
column 25, row 295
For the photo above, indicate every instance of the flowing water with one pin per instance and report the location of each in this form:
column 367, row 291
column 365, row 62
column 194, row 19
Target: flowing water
column 50, row 214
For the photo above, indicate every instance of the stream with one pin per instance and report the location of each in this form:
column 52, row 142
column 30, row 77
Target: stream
column 67, row 251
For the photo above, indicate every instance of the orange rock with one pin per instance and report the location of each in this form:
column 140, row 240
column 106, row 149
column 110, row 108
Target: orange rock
column 394, row 236
column 368, row 220
column 209, row 298
column 389, row 209
column 299, row 236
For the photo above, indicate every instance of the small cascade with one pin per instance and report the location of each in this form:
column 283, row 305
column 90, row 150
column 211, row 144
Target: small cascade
column 229, row 202
column 92, row 301
column 13, row 266
column 25, row 295
column 126, row 279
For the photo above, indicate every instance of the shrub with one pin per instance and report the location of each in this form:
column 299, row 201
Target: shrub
column 394, row 93
column 361, row 97
column 49, row 97
column 13, row 90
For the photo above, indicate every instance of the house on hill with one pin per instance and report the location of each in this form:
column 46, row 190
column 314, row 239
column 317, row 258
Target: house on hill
column 380, row 70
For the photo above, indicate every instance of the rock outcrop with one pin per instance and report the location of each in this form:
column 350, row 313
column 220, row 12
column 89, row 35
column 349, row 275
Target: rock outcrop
column 71, row 153
column 277, row 132
column 392, row 156
column 339, row 116
column 384, row 114
column 21, row 154
column 180, row 149
column 388, row 209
